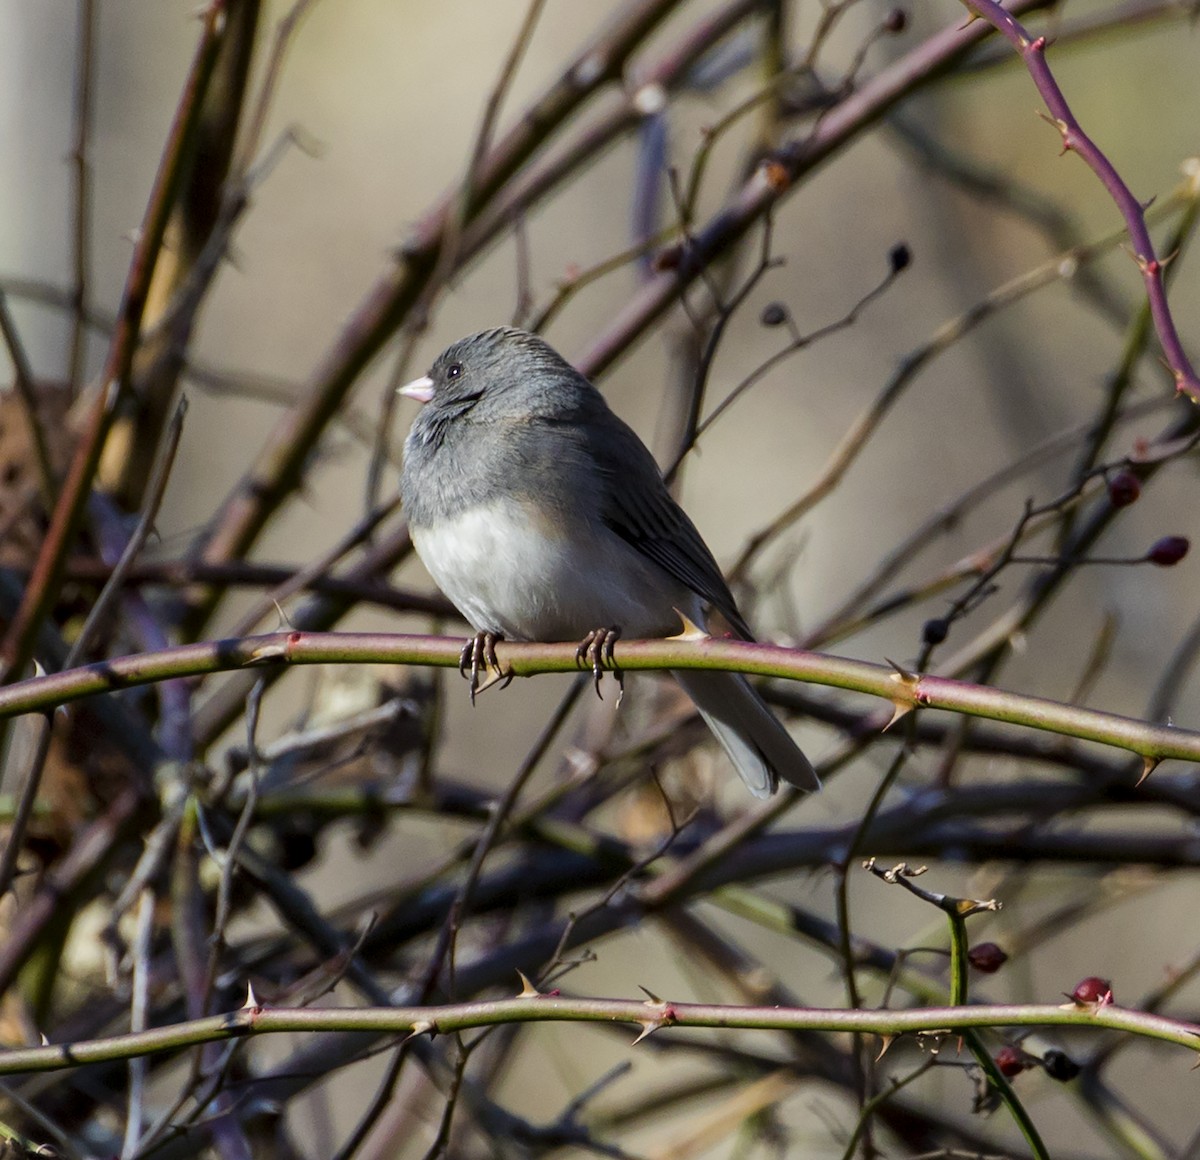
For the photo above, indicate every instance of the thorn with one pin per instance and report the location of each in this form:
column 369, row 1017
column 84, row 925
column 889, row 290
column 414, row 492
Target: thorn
column 267, row 652
column 665, row 1018
column 492, row 677
column 899, row 709
column 1149, row 765
column 691, row 630
column 885, row 1041
column 42, row 1037
column 421, row 1027
column 251, row 1003
column 912, row 683
column 1064, row 131
column 666, row 1014
column 528, row 990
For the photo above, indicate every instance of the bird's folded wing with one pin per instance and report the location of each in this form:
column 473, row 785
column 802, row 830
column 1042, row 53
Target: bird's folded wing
column 641, row 511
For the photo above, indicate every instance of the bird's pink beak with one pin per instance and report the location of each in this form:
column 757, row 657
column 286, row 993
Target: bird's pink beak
column 420, row 389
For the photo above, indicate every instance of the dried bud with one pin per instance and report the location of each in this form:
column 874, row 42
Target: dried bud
column 899, row 257
column 1092, row 991
column 1168, row 551
column 668, row 258
column 987, row 957
column 1060, row 1066
column 1011, row 1060
column 1123, row 489
column 895, row 21
column 936, row 630
column 776, row 175
column 774, row 314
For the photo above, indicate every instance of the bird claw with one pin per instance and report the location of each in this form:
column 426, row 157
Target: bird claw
column 479, row 653
column 596, row 651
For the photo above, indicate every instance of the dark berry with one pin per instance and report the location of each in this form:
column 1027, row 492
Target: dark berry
column 1168, row 551
column 895, row 21
column 774, row 314
column 1123, row 489
column 936, row 630
column 987, row 957
column 899, row 256
column 1060, row 1066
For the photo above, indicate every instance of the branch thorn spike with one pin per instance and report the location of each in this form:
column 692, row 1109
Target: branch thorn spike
column 267, row 652
column 1149, row 765
column 691, row 631
column 528, row 990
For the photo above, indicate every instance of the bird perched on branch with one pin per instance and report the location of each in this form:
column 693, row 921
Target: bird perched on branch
column 542, row 516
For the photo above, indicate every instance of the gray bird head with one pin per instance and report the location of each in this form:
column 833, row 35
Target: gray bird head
column 500, row 371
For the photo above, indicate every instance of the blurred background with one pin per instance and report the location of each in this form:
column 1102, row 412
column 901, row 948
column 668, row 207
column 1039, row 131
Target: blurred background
column 1005, row 359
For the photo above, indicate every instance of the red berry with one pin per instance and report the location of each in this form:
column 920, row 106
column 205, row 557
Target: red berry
column 1092, row 990
column 987, row 957
column 1168, row 551
column 1010, row 1060
column 1124, row 489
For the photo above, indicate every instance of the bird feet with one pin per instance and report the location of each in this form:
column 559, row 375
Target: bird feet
column 596, row 651
column 479, row 654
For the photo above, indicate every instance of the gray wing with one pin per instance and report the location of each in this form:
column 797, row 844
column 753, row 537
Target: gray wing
column 638, row 507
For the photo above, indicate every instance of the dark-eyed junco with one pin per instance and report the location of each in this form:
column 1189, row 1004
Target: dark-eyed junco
column 542, row 516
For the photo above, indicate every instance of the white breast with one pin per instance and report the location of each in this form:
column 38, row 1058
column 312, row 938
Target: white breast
column 508, row 574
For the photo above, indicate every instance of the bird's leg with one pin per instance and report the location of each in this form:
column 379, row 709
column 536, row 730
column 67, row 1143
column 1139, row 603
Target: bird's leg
column 480, row 653
column 596, row 650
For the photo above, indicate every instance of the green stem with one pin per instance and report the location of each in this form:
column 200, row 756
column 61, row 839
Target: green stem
column 451, row 1017
column 904, row 690
column 974, row 1041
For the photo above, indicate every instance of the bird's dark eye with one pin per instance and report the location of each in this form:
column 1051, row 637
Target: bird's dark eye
column 454, row 370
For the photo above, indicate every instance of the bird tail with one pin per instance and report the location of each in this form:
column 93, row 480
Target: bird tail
column 760, row 748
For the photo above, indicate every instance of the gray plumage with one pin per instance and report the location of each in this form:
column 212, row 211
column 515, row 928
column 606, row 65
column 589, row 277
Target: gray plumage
column 543, row 516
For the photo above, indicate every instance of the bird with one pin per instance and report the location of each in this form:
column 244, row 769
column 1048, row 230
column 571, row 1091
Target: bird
column 543, row 516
